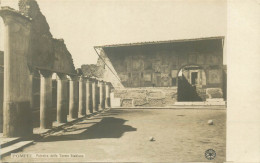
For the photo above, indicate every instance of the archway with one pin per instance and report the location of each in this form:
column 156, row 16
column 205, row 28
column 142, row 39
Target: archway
column 191, row 79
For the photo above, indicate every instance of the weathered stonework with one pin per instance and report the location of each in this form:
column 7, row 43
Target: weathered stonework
column 93, row 70
column 127, row 103
column 159, row 64
column 214, row 92
column 1, row 89
column 30, row 47
column 46, row 52
column 140, row 102
column 146, row 97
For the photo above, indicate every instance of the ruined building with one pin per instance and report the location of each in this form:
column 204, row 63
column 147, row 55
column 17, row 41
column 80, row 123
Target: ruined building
column 38, row 78
column 161, row 73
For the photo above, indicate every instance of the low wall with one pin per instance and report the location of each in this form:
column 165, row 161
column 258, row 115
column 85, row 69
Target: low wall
column 157, row 96
column 146, row 97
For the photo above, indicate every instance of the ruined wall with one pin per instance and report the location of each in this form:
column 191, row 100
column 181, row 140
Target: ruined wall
column 46, row 52
column 1, row 89
column 110, row 73
column 157, row 65
column 93, row 70
column 63, row 61
column 146, row 97
column 29, row 46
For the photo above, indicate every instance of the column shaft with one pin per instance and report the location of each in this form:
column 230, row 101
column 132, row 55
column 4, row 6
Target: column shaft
column 94, row 96
column 17, row 112
column 82, row 97
column 101, row 96
column 74, row 98
column 46, row 100
column 62, row 99
column 89, row 96
column 107, row 95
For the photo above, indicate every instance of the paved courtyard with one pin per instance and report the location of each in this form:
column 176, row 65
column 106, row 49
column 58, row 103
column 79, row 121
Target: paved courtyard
column 122, row 135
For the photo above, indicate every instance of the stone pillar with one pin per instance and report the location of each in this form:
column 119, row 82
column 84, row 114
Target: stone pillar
column 94, row 95
column 82, row 96
column 101, row 95
column 89, row 96
column 62, row 98
column 107, row 95
column 46, row 100
column 17, row 112
column 74, row 97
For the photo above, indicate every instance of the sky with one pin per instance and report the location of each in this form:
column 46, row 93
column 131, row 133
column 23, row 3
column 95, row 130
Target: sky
column 87, row 23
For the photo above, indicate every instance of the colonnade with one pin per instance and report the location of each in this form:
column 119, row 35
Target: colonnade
column 85, row 95
column 19, row 70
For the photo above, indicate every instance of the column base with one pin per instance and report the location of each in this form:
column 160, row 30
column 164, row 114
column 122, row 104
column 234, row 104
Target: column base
column 17, row 119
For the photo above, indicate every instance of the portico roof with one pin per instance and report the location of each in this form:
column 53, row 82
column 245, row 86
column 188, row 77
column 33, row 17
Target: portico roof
column 160, row 42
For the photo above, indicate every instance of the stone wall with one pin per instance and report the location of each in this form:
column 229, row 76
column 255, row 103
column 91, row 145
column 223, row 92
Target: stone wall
column 1, row 58
column 146, row 97
column 1, row 89
column 158, row 64
column 46, row 52
column 29, row 47
column 110, row 73
column 93, row 70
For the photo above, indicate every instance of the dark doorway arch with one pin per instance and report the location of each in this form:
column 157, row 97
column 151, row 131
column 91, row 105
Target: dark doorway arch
column 190, row 79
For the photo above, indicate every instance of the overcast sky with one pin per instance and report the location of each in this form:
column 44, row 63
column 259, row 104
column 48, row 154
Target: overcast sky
column 87, row 23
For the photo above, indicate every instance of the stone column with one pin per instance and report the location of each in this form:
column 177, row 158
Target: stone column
column 89, row 96
column 17, row 112
column 94, row 95
column 82, row 96
column 62, row 98
column 101, row 95
column 74, row 97
column 107, row 95
column 46, row 100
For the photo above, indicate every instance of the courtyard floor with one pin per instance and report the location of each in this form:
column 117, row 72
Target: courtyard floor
column 122, row 135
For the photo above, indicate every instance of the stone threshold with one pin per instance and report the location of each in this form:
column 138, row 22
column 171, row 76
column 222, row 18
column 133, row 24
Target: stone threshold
column 210, row 107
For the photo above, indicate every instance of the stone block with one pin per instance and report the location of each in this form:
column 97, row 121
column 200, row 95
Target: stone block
column 120, row 93
column 18, row 119
column 140, row 102
column 155, row 95
column 156, row 102
column 127, row 102
column 115, row 102
column 214, row 92
column 214, row 76
column 136, row 94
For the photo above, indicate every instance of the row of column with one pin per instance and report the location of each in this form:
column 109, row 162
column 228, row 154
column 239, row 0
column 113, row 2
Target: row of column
column 83, row 96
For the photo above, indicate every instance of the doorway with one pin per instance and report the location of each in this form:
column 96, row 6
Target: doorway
column 190, row 79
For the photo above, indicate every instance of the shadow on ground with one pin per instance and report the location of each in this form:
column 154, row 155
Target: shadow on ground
column 108, row 127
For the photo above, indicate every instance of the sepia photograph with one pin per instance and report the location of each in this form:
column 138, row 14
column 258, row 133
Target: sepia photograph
column 121, row 81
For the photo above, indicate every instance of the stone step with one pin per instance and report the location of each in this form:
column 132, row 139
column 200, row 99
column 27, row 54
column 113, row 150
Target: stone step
column 201, row 103
column 219, row 107
column 215, row 100
column 14, row 148
column 4, row 142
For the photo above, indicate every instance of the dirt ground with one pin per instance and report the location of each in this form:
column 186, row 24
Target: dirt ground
column 122, row 135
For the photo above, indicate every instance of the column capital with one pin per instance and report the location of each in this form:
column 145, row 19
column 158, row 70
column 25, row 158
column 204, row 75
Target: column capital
column 61, row 76
column 81, row 78
column 45, row 73
column 11, row 16
column 73, row 77
column 94, row 81
column 89, row 80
